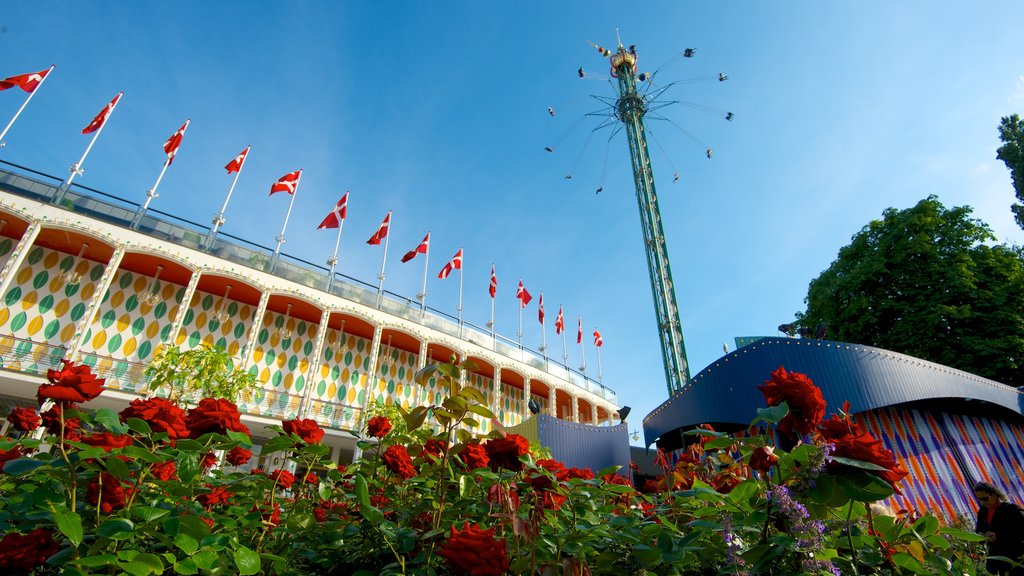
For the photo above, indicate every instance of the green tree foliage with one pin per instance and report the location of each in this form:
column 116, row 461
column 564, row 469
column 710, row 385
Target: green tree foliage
column 1011, row 132
column 922, row 282
column 206, row 370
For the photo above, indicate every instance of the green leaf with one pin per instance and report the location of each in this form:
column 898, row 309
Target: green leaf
column 276, row 444
column 608, row 470
column 618, row 488
column 908, row 562
column 863, row 486
column 961, row 534
column 423, row 375
column 144, row 565
column 926, row 525
column 415, row 418
column 481, row 410
column 70, row 525
column 95, row 561
column 719, row 443
column 772, row 414
column 248, row 562
column 109, row 420
column 240, row 437
column 450, row 370
column 372, row 514
column 23, row 466
column 148, row 513
column 117, row 467
column 116, row 529
column 362, row 493
column 188, row 445
column 300, row 521
column 464, row 486
column 140, row 453
column 186, row 566
column 139, row 425
column 858, row 463
column 206, row 559
column 186, row 543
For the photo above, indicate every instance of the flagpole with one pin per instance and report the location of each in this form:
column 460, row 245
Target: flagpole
column 383, row 261
column 459, row 307
column 333, row 260
column 600, row 375
column 150, row 194
column 543, row 335
column 491, row 323
column 76, row 168
column 280, row 239
column 23, row 104
column 521, row 322
column 423, row 293
column 583, row 350
column 565, row 352
column 218, row 218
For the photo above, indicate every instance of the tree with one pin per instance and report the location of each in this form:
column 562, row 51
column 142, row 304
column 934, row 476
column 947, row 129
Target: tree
column 921, row 281
column 206, row 369
column 1011, row 132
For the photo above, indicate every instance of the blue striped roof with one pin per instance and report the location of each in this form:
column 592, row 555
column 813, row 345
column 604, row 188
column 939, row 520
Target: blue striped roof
column 867, row 377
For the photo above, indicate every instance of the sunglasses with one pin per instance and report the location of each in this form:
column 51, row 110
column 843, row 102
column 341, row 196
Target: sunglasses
column 982, row 497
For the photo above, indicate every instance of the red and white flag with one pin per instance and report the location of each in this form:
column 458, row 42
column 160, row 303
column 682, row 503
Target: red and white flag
column 421, row 249
column 523, row 295
column 236, row 164
column 171, row 146
column 454, row 264
column 579, row 330
column 101, row 118
column 494, row 283
column 27, row 82
column 381, row 232
column 333, row 220
column 559, row 322
column 287, row 183
column 598, row 341
column 540, row 309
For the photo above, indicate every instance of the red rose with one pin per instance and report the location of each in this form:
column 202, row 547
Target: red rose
column 505, row 452
column 654, row 485
column 475, row 456
column 308, row 430
column 725, row 482
column 378, row 426
column 543, row 482
column 257, row 472
column 616, row 479
column 473, row 551
column 397, row 460
column 763, row 458
column 7, row 455
column 23, row 553
column 238, row 456
column 164, row 471
column 107, row 441
column 284, row 478
column 113, row 497
column 209, row 461
column 216, row 495
column 24, row 419
column 271, row 518
column 851, row 441
column 311, row 478
column 71, row 383
column 51, row 421
column 214, row 415
column 434, row 447
column 161, row 415
column 581, row 473
column 806, row 404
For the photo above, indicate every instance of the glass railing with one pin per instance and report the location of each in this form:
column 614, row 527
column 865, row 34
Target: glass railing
column 111, row 209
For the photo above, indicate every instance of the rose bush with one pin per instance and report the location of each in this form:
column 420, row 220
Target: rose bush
column 128, row 493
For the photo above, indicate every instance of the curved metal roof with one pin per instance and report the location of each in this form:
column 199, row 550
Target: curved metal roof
column 867, row 377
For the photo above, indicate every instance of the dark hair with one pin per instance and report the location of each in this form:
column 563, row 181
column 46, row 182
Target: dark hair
column 989, row 489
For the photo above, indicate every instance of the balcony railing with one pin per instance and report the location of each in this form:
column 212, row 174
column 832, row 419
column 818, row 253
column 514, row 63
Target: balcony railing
column 120, row 212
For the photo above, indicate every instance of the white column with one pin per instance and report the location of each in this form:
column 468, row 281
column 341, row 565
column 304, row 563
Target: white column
column 314, row 366
column 186, row 301
column 553, row 404
column 526, row 398
column 593, row 414
column 10, row 269
column 575, row 409
column 496, row 401
column 254, row 331
column 82, row 328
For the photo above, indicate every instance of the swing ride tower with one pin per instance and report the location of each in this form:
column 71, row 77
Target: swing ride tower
column 630, row 109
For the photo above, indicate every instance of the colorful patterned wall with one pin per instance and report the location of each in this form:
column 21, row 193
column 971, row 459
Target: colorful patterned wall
column 127, row 332
column 396, row 382
column 201, row 324
column 281, row 365
column 512, row 405
column 39, row 311
column 6, row 247
column 339, row 386
column 485, row 386
column 946, row 453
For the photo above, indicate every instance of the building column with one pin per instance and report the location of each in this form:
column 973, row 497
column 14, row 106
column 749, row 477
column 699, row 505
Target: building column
column 183, row 306
column 82, row 328
column 575, row 409
column 10, row 269
column 314, row 366
column 496, row 401
column 371, row 381
column 257, row 324
column 526, row 398
column 593, row 414
column 553, row 403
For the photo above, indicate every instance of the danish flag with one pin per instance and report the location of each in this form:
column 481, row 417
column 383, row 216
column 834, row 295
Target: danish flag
column 171, row 146
column 540, row 309
column 236, row 164
column 559, row 322
column 523, row 295
column 454, row 264
column 598, row 341
column 494, row 283
column 421, row 249
column 579, row 330
column 333, row 220
column 27, row 82
column 381, row 232
column 288, row 183
column 101, row 118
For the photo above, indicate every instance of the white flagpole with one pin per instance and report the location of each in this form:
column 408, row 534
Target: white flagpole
column 76, row 168
column 218, row 219
column 459, row 307
column 423, row 293
column 521, row 322
column 491, row 323
column 280, row 239
column 150, row 194
column 583, row 350
column 23, row 104
column 543, row 335
column 565, row 352
column 600, row 375
column 383, row 261
column 333, row 260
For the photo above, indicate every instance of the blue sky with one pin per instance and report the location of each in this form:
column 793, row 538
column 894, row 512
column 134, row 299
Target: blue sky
column 438, row 111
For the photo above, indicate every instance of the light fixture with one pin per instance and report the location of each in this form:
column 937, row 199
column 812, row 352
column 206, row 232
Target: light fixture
column 636, row 435
column 222, row 307
column 533, row 406
column 70, row 276
column 624, row 412
column 152, row 296
column 284, row 332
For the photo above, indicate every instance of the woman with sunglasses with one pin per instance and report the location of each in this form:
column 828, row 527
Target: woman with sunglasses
column 1002, row 524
